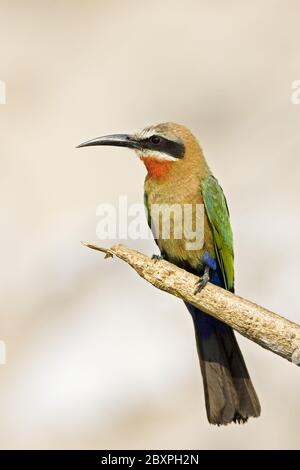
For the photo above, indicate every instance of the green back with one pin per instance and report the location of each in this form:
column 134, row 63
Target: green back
column 147, row 209
column 218, row 216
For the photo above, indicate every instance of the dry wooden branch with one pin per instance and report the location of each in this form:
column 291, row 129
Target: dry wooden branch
column 269, row 330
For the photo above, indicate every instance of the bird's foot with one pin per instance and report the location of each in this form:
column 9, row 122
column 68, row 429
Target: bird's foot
column 157, row 257
column 202, row 281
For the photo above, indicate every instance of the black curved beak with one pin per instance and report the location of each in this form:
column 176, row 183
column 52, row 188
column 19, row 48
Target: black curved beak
column 116, row 140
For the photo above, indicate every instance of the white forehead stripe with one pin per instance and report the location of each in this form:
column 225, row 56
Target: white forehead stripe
column 146, row 133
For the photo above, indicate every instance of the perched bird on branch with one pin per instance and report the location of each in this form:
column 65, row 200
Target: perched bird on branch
column 178, row 175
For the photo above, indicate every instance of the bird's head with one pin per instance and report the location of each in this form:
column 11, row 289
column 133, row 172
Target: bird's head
column 160, row 147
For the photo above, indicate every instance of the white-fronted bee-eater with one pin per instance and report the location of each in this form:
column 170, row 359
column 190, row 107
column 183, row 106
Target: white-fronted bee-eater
column 178, row 174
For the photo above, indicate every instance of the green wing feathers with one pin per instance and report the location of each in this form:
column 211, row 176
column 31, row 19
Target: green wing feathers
column 218, row 216
column 147, row 209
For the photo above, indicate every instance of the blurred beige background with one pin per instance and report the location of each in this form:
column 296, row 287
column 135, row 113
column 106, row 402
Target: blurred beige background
column 96, row 358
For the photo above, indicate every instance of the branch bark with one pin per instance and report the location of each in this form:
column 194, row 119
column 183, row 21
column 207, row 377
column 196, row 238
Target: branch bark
column 269, row 330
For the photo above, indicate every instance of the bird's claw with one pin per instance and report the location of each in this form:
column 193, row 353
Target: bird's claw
column 156, row 258
column 203, row 280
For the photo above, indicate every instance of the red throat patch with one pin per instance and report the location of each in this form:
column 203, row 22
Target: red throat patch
column 157, row 168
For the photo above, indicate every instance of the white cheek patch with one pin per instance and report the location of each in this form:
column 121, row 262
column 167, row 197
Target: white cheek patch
column 157, row 155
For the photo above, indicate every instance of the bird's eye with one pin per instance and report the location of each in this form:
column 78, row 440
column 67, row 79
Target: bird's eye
column 155, row 139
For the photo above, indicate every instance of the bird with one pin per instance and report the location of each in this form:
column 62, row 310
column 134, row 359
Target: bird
column 178, row 173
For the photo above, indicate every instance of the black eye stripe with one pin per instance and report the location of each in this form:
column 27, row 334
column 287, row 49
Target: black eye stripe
column 161, row 144
column 155, row 139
